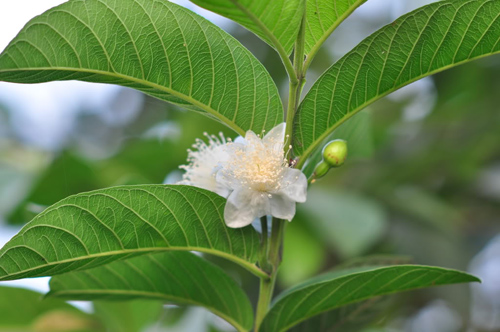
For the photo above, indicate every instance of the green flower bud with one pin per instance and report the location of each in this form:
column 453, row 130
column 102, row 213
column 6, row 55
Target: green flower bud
column 335, row 153
column 321, row 169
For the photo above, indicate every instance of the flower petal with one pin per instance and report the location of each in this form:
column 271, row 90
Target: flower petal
column 236, row 218
column 240, row 140
column 251, row 137
column 277, row 134
column 282, row 207
column 243, row 206
column 295, row 185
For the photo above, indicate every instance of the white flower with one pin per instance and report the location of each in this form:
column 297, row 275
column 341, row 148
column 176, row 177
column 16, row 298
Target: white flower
column 260, row 179
column 204, row 164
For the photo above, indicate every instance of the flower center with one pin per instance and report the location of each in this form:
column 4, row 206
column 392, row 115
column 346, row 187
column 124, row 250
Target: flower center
column 260, row 166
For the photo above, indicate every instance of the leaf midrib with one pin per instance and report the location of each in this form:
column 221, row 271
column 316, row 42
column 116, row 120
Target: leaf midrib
column 231, row 124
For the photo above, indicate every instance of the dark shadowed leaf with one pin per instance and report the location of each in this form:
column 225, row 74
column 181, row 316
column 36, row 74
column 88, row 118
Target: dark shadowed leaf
column 174, row 277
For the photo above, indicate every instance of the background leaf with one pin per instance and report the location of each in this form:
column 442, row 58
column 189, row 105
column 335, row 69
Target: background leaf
column 349, row 223
column 303, row 254
column 26, row 310
column 333, row 291
column 157, row 47
column 175, row 277
column 358, row 134
column 128, row 316
column 275, row 21
column 91, row 229
column 424, row 42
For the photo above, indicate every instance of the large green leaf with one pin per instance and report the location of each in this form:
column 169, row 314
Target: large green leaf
column 335, row 290
column 95, row 228
column 178, row 277
column 154, row 46
column 277, row 22
column 421, row 43
column 322, row 18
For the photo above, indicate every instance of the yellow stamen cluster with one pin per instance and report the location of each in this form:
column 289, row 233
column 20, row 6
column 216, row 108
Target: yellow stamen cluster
column 259, row 166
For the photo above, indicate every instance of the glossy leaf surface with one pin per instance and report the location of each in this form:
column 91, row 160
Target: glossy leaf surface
column 322, row 17
column 276, row 22
column 154, row 46
column 423, row 42
column 98, row 227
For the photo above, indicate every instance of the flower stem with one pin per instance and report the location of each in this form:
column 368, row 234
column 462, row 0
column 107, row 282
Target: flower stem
column 275, row 247
column 265, row 296
column 274, row 260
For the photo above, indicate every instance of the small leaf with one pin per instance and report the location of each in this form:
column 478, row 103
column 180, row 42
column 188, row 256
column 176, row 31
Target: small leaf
column 421, row 43
column 157, row 47
column 336, row 289
column 175, row 277
column 323, row 17
column 277, row 22
column 98, row 227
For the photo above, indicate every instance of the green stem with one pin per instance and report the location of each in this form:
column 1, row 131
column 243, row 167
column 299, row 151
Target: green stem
column 274, row 259
column 295, row 87
column 265, row 296
column 278, row 228
column 264, row 247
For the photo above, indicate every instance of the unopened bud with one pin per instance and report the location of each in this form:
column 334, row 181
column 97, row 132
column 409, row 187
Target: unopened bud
column 321, row 169
column 335, row 153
